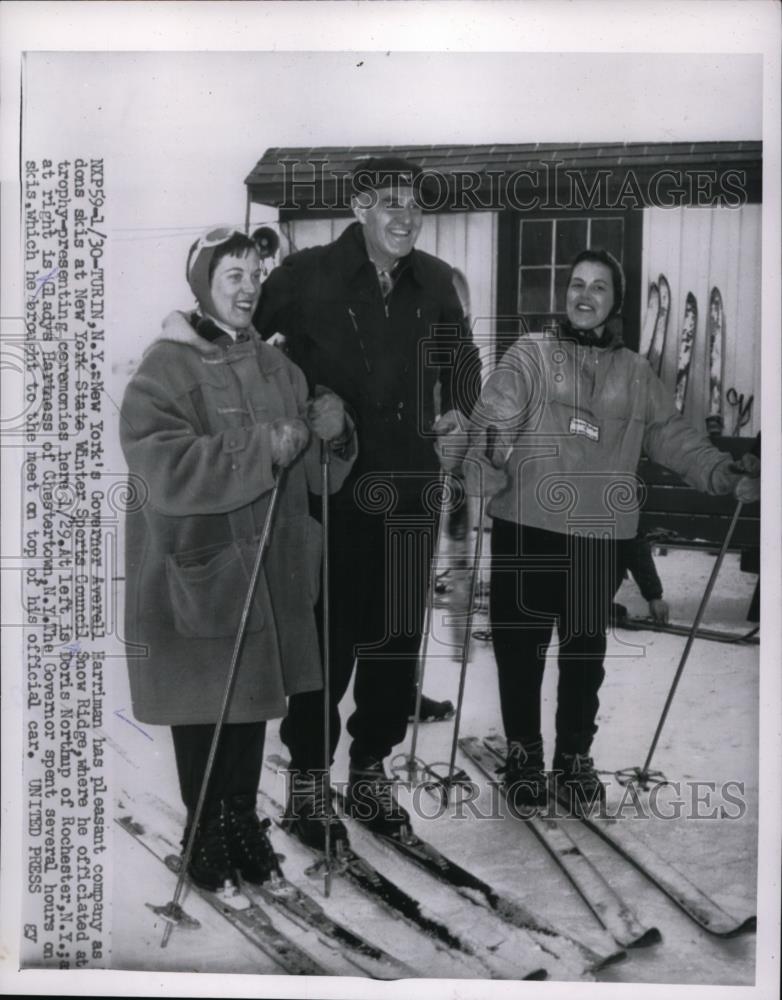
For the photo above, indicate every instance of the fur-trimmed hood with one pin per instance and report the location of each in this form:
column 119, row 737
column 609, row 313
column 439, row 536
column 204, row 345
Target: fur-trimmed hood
column 178, row 329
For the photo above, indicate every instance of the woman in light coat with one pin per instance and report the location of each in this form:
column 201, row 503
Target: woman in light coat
column 211, row 420
column 572, row 412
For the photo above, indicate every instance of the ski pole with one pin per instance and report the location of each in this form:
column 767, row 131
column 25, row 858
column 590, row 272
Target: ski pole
column 476, row 566
column 173, row 909
column 643, row 774
column 444, row 488
column 324, row 485
column 491, row 443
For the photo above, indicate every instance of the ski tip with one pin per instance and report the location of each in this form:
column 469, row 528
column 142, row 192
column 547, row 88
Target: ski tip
column 129, row 824
column 603, row 961
column 748, row 926
column 648, row 936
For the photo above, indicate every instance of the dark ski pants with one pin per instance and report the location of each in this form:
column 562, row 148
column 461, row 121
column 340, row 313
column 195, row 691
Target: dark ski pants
column 540, row 579
column 379, row 573
column 237, row 766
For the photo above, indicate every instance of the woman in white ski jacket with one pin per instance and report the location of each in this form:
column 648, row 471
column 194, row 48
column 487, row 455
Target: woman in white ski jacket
column 569, row 416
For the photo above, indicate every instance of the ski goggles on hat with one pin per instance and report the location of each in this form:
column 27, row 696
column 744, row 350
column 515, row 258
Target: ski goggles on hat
column 214, row 238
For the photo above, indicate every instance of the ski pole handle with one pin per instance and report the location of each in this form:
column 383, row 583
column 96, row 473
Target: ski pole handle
column 492, row 437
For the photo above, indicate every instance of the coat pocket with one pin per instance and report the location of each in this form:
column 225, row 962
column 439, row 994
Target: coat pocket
column 207, row 590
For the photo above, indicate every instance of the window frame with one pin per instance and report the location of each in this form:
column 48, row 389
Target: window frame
column 511, row 321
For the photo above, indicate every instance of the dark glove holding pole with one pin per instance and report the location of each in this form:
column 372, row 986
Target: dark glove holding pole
column 326, row 415
column 289, row 437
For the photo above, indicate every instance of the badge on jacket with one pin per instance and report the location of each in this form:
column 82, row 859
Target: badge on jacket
column 583, row 427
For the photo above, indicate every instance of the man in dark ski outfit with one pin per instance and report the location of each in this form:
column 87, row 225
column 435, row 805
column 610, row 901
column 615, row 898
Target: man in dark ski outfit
column 635, row 558
column 356, row 316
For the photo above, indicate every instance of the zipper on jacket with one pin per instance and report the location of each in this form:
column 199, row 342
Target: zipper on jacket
column 354, row 321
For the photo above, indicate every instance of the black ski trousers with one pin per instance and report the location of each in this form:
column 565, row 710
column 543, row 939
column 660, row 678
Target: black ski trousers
column 379, row 574
column 540, row 579
column 237, row 766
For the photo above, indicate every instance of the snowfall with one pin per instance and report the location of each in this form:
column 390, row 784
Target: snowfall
column 708, row 751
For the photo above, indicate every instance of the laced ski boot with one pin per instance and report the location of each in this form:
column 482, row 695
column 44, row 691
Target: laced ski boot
column 309, row 806
column 211, row 865
column 432, row 711
column 523, row 777
column 576, row 783
column 248, row 841
column 370, row 799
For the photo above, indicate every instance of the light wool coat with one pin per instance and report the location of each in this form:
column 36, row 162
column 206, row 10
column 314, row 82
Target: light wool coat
column 195, row 433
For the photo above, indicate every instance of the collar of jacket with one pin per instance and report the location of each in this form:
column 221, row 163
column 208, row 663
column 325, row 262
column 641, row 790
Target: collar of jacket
column 179, row 328
column 610, row 339
column 353, row 250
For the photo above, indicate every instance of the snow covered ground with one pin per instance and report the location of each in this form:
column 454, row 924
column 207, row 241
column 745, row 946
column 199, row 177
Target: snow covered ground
column 710, row 737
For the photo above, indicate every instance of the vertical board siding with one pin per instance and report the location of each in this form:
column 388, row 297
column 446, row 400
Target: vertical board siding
column 697, row 249
column 467, row 240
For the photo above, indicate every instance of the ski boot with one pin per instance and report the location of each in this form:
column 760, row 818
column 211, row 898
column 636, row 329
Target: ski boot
column 523, row 777
column 370, row 799
column 575, row 783
column 432, row 711
column 248, row 841
column 309, row 806
column 211, row 865
column 618, row 614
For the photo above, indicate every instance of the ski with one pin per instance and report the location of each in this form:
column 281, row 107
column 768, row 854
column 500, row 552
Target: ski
column 394, row 900
column 611, row 911
column 370, row 881
column 715, row 341
column 301, row 909
column 686, row 341
column 652, row 308
column 477, row 891
column 695, row 903
column 710, row 634
column 307, row 912
column 251, row 921
column 656, row 349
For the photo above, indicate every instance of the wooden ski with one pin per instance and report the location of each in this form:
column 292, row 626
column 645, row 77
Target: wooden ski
column 657, row 347
column 715, row 340
column 608, row 907
column 686, row 342
column 652, row 308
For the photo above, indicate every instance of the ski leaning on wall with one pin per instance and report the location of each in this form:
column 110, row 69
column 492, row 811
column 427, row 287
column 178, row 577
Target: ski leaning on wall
column 656, row 349
column 650, row 320
column 715, row 344
column 686, row 344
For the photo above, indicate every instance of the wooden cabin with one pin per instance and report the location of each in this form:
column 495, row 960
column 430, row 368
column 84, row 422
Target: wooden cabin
column 511, row 217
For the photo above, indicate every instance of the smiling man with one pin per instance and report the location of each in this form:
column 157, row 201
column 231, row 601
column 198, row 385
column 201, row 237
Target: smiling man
column 354, row 315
